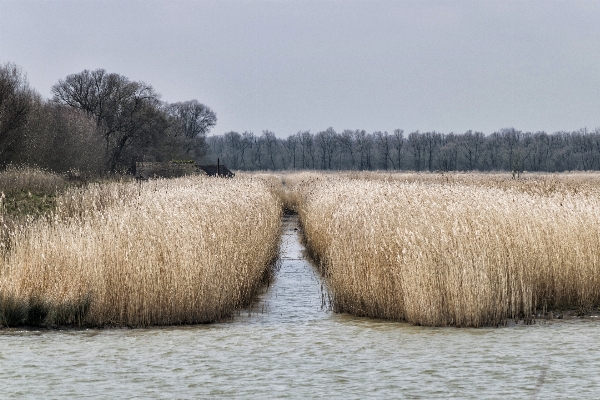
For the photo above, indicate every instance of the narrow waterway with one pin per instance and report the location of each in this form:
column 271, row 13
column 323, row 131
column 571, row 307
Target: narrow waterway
column 289, row 346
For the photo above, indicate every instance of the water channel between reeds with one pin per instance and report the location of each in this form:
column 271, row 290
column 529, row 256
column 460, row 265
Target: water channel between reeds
column 288, row 345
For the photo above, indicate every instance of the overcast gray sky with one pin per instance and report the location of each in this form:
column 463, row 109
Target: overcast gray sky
column 306, row 65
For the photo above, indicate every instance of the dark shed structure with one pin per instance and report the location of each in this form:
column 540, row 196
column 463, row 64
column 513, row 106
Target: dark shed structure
column 217, row 170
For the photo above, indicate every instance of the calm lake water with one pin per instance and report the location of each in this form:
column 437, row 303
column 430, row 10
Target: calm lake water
column 288, row 346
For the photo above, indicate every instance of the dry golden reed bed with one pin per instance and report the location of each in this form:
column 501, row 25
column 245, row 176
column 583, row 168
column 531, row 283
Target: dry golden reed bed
column 187, row 250
column 17, row 178
column 453, row 250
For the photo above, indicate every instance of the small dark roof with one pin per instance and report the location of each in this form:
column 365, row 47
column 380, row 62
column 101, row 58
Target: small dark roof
column 211, row 170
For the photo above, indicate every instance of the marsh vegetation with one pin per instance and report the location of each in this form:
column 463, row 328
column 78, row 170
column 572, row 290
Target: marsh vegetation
column 464, row 250
column 186, row 250
column 453, row 249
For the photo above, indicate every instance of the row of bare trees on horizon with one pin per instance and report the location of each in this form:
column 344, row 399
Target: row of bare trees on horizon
column 507, row 149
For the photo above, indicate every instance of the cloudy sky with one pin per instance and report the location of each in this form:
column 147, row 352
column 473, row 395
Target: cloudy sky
column 306, row 65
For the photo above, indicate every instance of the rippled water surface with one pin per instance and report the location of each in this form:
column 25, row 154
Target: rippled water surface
column 287, row 345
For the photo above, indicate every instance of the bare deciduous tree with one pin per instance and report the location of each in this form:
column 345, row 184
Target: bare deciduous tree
column 128, row 113
column 15, row 105
column 63, row 139
column 398, row 144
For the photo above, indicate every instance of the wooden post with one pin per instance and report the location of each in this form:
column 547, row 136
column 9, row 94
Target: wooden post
column 218, row 168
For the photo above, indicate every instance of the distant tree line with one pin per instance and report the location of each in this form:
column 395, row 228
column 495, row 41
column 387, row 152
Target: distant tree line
column 507, row 149
column 96, row 122
column 100, row 122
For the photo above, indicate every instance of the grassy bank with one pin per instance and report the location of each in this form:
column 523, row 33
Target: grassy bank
column 28, row 191
column 461, row 250
column 25, row 193
column 187, row 250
